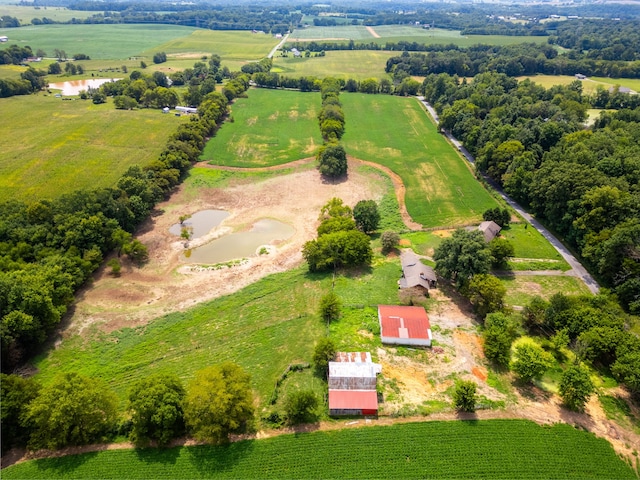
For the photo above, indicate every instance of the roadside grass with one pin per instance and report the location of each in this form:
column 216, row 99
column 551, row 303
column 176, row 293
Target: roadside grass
column 59, row 14
column 52, row 147
column 532, row 250
column 521, row 289
column 98, row 41
column 345, row 64
column 270, row 127
column 396, row 132
column 481, row 449
column 263, row 327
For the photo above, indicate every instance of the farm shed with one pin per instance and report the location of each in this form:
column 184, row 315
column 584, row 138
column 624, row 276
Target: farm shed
column 186, row 109
column 353, row 375
column 401, row 325
column 490, row 230
column 353, row 402
column 4, row 38
column 415, row 273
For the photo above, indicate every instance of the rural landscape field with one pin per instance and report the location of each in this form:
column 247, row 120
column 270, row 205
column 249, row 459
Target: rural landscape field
column 130, row 270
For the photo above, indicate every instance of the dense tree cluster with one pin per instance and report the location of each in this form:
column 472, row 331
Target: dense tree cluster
column 48, row 248
column 462, row 255
column 159, row 57
column 332, row 159
column 15, row 55
column 342, row 245
column 76, row 410
column 582, row 183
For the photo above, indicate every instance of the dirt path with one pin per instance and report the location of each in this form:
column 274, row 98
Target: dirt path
column 373, row 33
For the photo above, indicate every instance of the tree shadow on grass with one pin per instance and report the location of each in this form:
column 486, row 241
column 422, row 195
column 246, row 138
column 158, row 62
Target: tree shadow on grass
column 65, row 466
column 209, row 459
column 158, row 455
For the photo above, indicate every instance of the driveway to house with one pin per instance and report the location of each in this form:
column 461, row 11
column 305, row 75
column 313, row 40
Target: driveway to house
column 577, row 267
column 275, row 49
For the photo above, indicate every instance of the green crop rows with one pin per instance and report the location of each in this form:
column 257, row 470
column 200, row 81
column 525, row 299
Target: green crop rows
column 513, row 449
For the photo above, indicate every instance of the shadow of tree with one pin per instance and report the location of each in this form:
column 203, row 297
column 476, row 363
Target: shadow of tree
column 209, row 459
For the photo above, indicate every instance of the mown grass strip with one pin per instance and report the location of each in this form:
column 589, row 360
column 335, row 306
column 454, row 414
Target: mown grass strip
column 496, row 449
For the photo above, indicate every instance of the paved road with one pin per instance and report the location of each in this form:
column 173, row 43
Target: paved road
column 275, row 49
column 577, row 267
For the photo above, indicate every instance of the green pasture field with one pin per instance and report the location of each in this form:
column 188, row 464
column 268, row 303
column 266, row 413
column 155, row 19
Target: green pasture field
column 263, row 327
column 52, row 146
column 26, row 14
column 11, row 71
column 356, row 64
column 589, row 85
column 339, row 32
column 521, row 289
column 270, row 127
column 532, row 250
column 462, row 449
column 632, row 83
column 97, row 41
column 397, row 133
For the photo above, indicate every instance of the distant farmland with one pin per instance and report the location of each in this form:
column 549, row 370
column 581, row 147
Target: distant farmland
column 345, row 64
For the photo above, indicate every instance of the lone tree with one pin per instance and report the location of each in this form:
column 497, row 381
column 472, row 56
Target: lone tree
column 499, row 334
column 462, row 256
column 155, row 406
column 73, row 410
column 324, row 352
column 464, row 396
column 576, row 387
column 531, row 361
column 218, row 401
column 389, row 240
column 501, row 250
column 330, row 307
column 366, row 215
column 300, row 406
column 332, row 160
column 486, row 294
column 338, row 249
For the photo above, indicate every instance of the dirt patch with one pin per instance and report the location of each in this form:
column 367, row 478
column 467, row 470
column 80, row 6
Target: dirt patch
column 373, row 33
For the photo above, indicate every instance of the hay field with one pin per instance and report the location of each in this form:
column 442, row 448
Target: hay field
column 356, row 64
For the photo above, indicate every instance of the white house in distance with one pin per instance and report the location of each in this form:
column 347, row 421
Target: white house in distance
column 400, row 325
column 186, row 109
column 4, row 38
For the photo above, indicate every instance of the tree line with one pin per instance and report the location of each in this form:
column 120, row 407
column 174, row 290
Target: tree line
column 583, row 183
column 49, row 248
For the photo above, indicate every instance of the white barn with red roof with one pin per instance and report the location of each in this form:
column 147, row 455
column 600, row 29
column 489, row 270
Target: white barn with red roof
column 401, row 325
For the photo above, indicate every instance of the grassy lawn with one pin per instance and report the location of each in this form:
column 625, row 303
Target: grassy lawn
column 26, row 14
column 271, row 127
column 521, row 289
column 264, row 327
column 481, row 449
column 532, row 250
column 397, row 133
column 356, row 64
column 52, row 146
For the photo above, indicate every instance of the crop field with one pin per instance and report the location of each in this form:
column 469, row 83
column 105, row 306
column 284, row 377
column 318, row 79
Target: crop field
column 510, row 449
column 521, row 289
column 397, row 133
column 97, row 41
column 264, row 327
column 356, row 64
column 271, row 127
column 340, row 32
column 26, row 14
column 51, row 146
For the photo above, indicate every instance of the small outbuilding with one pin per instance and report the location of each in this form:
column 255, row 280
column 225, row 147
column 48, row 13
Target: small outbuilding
column 401, row 325
column 490, row 230
column 415, row 273
column 186, row 109
column 4, row 38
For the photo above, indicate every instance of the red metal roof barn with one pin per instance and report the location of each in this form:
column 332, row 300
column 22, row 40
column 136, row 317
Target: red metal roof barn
column 353, row 402
column 404, row 325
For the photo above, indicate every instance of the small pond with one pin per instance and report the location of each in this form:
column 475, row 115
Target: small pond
column 240, row 245
column 200, row 223
column 73, row 87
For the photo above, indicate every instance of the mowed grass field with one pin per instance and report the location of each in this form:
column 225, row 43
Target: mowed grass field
column 522, row 289
column 356, row 64
column 269, row 128
column 25, row 14
column 397, row 133
column 497, row 449
column 98, row 41
column 51, row 147
column 263, row 327
column 589, row 85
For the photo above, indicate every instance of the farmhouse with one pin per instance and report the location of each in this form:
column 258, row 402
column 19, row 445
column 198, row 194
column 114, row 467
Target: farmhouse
column 580, row 76
column 415, row 273
column 401, row 325
column 352, row 384
column 296, row 52
column 490, row 230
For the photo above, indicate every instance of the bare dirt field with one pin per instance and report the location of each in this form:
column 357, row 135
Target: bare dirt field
column 167, row 284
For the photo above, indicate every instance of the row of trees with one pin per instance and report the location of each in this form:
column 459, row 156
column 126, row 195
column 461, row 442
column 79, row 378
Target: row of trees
column 582, row 183
column 76, row 410
column 331, row 156
column 49, row 248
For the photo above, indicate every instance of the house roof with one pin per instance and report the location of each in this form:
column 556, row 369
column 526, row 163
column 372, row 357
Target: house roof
column 353, row 369
column 490, row 230
column 404, row 322
column 415, row 273
column 353, row 400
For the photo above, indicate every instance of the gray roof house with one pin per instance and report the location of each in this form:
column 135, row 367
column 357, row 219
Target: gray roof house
column 490, row 230
column 415, row 273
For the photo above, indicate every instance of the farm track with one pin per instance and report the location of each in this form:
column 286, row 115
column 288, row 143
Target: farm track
column 398, row 185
